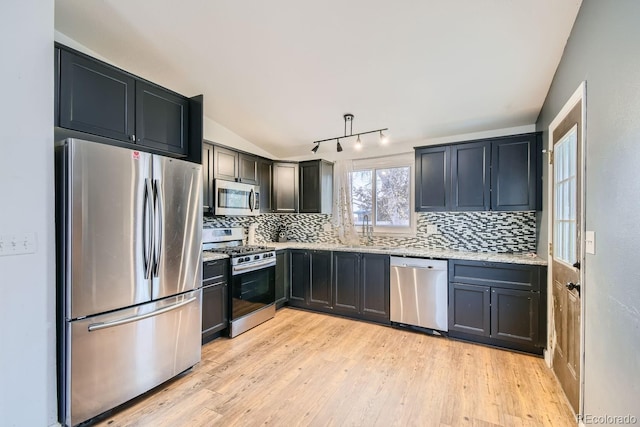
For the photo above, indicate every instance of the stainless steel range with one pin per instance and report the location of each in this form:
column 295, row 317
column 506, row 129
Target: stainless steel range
column 252, row 270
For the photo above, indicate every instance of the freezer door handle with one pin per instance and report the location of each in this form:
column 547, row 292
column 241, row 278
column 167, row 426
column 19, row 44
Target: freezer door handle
column 159, row 224
column 147, row 229
column 99, row 326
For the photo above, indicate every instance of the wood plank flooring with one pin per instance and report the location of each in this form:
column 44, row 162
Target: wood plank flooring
column 304, row 368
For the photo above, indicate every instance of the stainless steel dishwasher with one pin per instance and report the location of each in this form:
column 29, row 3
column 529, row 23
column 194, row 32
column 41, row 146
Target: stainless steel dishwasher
column 419, row 292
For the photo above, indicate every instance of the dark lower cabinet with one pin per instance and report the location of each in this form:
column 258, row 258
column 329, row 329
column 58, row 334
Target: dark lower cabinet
column 514, row 315
column 214, row 310
column 215, row 316
column 283, row 269
column 361, row 285
column 374, row 275
column 470, row 309
column 300, row 277
column 319, row 296
column 346, row 283
column 498, row 304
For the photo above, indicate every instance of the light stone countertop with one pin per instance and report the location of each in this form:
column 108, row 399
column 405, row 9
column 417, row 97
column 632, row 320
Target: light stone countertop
column 413, row 252
column 212, row 256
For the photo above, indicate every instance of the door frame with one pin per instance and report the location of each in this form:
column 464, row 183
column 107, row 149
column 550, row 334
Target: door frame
column 580, row 95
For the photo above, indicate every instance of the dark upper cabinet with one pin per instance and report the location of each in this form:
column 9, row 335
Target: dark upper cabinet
column 320, row 285
column 162, row 119
column 500, row 174
column 207, row 177
column 265, row 177
column 283, row 269
column 96, row 98
column 470, row 176
column 375, row 285
column 285, row 187
column 316, row 186
column 432, row 179
column 225, row 163
column 300, row 276
column 514, row 173
column 346, row 283
column 248, row 169
column 470, row 309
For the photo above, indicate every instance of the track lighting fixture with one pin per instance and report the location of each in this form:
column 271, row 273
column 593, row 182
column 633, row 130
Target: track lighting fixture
column 348, row 119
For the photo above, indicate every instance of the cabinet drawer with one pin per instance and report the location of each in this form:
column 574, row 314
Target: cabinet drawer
column 214, row 271
column 495, row 274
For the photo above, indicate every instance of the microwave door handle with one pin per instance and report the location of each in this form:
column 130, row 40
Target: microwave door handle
column 252, row 195
column 147, row 229
column 158, row 224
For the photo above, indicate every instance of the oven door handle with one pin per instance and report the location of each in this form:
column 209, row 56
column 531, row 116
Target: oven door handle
column 254, row 266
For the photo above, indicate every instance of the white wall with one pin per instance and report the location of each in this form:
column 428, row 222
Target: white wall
column 603, row 50
column 27, row 282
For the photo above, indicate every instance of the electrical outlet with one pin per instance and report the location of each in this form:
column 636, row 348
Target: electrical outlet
column 432, row 229
column 590, row 242
column 17, row 244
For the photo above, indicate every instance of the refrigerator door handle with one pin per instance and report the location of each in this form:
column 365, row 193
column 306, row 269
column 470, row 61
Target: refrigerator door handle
column 99, row 326
column 159, row 224
column 147, row 229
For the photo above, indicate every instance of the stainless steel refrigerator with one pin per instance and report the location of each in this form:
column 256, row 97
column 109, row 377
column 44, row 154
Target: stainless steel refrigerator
column 130, row 273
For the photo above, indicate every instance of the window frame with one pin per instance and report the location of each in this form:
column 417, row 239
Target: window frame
column 389, row 162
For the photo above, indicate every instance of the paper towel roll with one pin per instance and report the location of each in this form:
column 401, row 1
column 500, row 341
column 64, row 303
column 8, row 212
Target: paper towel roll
column 251, row 236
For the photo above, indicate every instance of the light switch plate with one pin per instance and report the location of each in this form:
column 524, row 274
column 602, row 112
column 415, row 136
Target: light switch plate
column 590, row 242
column 432, row 229
column 17, row 244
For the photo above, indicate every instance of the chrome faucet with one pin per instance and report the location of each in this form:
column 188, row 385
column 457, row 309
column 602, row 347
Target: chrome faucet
column 366, row 230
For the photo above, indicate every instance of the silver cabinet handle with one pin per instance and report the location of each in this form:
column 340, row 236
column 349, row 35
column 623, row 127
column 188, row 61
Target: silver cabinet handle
column 98, row 326
column 159, row 223
column 147, row 229
column 256, row 265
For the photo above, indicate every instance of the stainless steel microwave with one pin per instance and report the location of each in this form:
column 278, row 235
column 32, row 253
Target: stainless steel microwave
column 236, row 198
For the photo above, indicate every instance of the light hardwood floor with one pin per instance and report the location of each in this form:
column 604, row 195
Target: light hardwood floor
column 304, row 368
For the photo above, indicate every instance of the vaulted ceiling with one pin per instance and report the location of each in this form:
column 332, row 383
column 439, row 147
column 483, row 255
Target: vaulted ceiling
column 282, row 73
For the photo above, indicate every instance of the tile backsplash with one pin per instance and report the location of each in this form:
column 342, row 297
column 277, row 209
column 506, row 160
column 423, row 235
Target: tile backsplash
column 467, row 231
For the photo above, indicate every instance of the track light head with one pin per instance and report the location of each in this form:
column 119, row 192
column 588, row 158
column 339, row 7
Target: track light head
column 338, row 146
column 383, row 138
column 315, row 149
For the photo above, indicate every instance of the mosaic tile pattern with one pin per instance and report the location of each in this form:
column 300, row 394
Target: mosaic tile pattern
column 501, row 232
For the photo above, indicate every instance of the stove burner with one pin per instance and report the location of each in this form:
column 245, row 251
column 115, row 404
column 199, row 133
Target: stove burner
column 234, row 251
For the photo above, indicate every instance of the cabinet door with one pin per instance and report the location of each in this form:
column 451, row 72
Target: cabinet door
column 96, row 98
column 310, row 187
column 469, row 309
column 346, row 283
column 514, row 315
column 470, row 177
column 300, row 277
column 214, row 310
column 207, row 177
column 225, row 164
column 265, row 176
column 247, row 168
column 375, row 287
column 282, row 277
column 432, row 179
column 320, row 284
column 162, row 119
column 285, row 187
column 514, row 173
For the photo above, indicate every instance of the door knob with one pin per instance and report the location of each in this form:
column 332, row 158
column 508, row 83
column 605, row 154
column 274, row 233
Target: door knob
column 576, row 265
column 571, row 286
